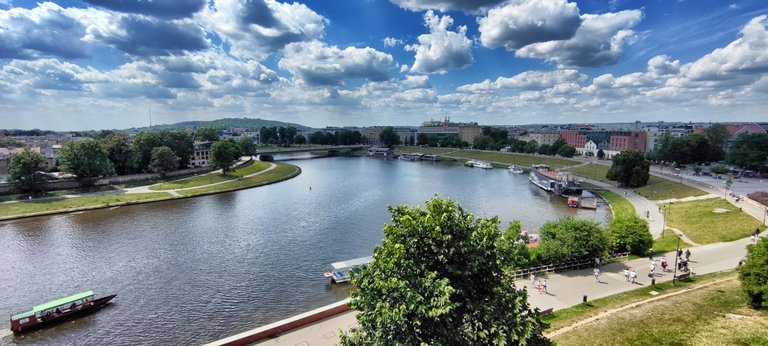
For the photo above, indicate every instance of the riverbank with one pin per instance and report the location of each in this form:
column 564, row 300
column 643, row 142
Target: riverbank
column 276, row 172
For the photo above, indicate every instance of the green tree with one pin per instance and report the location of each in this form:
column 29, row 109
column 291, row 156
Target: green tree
column 567, row 151
column 750, row 150
column 247, row 147
column 207, row 134
column 300, row 139
column 119, row 151
column 630, row 168
column 87, row 160
column 629, row 234
column 754, row 274
column 318, row 137
column 544, row 149
column 224, row 154
column 531, row 146
column 483, row 142
column 438, row 279
column 600, row 154
column 26, row 172
column 557, row 145
column 163, row 161
column 718, row 140
column 571, row 239
column 389, row 137
column 182, row 146
column 143, row 143
column 720, row 169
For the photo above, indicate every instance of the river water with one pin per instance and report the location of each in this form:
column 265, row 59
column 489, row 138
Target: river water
column 195, row 270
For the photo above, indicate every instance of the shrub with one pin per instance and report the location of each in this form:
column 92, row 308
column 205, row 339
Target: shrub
column 629, row 234
column 754, row 274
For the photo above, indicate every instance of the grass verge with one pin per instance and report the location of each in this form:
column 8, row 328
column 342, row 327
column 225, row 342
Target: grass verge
column 619, row 205
column 656, row 189
column 43, row 206
column 711, row 315
column 279, row 173
column 211, row 178
column 700, row 221
column 667, row 243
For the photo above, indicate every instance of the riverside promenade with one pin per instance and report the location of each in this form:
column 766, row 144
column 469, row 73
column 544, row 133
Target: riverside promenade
column 564, row 290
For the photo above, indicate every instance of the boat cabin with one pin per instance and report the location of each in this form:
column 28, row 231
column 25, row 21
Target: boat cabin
column 342, row 271
column 51, row 310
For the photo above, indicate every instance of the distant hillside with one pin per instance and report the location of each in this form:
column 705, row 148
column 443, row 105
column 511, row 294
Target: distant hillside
column 245, row 123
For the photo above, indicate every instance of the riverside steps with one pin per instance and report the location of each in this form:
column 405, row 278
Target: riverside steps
column 564, row 290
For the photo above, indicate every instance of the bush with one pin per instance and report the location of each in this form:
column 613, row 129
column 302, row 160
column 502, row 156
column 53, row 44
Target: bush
column 629, row 234
column 754, row 274
column 571, row 239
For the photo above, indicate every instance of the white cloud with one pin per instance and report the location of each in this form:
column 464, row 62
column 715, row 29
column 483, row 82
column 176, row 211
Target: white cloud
column 528, row 80
column 258, row 28
column 446, row 5
column 599, row 41
column 441, row 50
column 517, row 24
column 44, row 31
column 156, row 8
column 314, row 63
column 416, row 95
column 417, row 82
column 661, row 66
column 391, row 42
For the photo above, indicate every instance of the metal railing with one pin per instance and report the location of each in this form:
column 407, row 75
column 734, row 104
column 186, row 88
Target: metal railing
column 556, row 268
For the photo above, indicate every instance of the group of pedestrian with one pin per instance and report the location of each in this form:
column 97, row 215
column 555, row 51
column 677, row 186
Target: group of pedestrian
column 630, row 275
column 540, row 284
column 756, row 235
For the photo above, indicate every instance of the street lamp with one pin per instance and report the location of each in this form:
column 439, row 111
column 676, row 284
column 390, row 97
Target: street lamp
column 677, row 252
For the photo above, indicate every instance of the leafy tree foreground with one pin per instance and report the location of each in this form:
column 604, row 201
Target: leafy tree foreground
column 438, row 279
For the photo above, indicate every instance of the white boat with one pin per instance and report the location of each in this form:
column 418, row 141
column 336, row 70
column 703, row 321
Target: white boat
column 516, row 169
column 342, row 271
column 430, row 157
column 478, row 164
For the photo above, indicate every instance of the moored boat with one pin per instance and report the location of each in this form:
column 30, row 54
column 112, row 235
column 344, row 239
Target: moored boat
column 342, row 271
column 561, row 183
column 478, row 164
column 431, row 157
column 57, row 311
column 515, row 169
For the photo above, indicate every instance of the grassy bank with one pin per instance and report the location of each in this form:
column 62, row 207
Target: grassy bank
column 667, row 243
column 701, row 222
column 656, row 189
column 279, row 173
column 712, row 315
column 619, row 205
column 211, row 178
column 44, row 206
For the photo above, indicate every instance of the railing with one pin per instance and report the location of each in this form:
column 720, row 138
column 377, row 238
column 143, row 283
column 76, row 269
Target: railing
column 554, row 268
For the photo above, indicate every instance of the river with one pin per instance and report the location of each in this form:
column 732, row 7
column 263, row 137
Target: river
column 195, row 270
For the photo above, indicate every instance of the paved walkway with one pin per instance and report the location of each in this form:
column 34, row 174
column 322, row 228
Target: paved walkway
column 564, row 289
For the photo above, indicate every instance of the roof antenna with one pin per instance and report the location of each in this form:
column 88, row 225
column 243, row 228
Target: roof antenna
column 150, row 116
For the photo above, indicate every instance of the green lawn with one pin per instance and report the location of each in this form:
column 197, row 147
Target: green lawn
column 699, row 221
column 657, row 188
column 713, row 315
column 253, row 167
column 279, row 173
column 667, row 243
column 619, row 205
column 56, row 205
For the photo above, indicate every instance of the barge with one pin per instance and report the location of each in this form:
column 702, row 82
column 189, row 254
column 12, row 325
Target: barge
column 57, row 311
column 558, row 182
column 342, row 271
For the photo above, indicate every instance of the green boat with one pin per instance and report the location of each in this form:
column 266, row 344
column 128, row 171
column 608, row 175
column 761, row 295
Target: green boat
column 57, row 311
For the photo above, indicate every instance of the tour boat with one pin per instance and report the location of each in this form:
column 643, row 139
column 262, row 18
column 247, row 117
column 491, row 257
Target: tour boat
column 342, row 271
column 478, row 164
column 516, row 169
column 430, row 157
column 558, row 182
column 57, row 311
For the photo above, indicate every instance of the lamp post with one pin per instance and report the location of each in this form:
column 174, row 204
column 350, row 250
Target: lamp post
column 674, row 275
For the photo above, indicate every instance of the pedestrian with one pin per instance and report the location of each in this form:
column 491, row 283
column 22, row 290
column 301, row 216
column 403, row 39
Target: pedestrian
column 626, row 274
column 687, row 254
column 597, row 275
column 679, row 252
column 544, row 286
column 633, row 275
column 541, row 286
column 533, row 280
column 597, row 262
column 664, row 264
column 653, row 266
column 752, row 238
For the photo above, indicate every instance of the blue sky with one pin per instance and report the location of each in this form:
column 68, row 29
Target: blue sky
column 95, row 64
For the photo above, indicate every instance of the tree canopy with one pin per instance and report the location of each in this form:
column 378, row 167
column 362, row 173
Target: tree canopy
column 208, row 134
column 87, row 160
column 438, row 279
column 26, row 172
column 389, row 137
column 571, row 239
column 629, row 234
column 750, row 151
column 223, row 154
column 163, row 160
column 754, row 274
column 630, row 168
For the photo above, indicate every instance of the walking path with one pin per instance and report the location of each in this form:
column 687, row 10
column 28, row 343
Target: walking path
column 564, row 289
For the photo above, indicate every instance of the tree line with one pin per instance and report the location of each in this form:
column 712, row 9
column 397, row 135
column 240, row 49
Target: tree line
column 116, row 153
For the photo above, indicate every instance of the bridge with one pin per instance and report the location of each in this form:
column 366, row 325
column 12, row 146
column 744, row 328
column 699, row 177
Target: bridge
column 325, row 149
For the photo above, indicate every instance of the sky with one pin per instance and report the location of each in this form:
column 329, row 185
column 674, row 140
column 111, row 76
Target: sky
column 113, row 64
